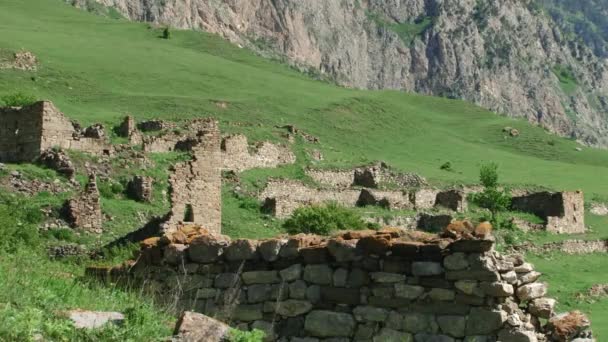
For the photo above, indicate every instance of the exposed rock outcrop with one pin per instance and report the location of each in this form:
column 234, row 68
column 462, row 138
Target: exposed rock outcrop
column 503, row 55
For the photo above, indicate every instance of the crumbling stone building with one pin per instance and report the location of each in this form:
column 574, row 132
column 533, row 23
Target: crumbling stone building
column 84, row 211
column 196, row 185
column 563, row 212
column 25, row 132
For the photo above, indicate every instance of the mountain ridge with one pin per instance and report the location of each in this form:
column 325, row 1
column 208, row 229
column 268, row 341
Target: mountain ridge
column 507, row 57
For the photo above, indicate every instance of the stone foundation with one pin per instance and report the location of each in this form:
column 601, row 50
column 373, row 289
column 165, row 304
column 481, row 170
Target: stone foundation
column 238, row 157
column 356, row 286
column 141, row 188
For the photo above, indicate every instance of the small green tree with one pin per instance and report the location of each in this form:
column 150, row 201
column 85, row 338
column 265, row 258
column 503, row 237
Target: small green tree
column 493, row 198
column 166, row 33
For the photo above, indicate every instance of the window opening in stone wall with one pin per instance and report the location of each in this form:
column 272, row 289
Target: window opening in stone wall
column 189, row 213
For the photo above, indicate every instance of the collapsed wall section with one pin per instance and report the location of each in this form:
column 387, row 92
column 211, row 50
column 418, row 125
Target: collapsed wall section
column 563, row 212
column 357, row 286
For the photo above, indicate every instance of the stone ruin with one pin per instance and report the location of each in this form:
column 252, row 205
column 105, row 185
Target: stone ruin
column 237, row 154
column 388, row 285
column 196, row 185
column 25, row 132
column 84, row 211
column 141, row 188
column 282, row 197
column 370, row 176
column 563, row 212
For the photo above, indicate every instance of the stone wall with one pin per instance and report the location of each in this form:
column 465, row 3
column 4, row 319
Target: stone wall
column 282, row 197
column 27, row 131
column 238, row 157
column 564, row 212
column 356, row 286
column 84, row 211
column 196, row 185
column 374, row 175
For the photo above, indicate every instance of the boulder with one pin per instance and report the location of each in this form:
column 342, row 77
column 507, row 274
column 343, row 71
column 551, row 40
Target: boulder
column 542, row 307
column 270, row 249
column 196, row 327
column 531, row 291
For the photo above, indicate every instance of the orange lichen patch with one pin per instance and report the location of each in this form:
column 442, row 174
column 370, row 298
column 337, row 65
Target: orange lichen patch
column 377, row 245
column 419, row 236
column 567, row 326
column 150, row 242
column 392, row 231
column 356, row 234
column 459, row 230
column 483, row 230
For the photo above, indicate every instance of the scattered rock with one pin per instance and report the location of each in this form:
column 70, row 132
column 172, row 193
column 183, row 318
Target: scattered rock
column 196, row 327
column 83, row 319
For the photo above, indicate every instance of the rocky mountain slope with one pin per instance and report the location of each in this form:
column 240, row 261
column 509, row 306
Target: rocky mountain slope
column 506, row 56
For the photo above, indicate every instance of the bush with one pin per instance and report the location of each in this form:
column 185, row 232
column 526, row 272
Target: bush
column 166, row 33
column 323, row 219
column 447, row 166
column 246, row 336
column 18, row 99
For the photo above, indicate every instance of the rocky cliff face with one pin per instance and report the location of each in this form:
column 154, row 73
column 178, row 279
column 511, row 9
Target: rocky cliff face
column 504, row 55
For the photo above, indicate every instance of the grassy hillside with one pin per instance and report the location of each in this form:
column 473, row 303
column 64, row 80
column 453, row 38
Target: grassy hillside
column 98, row 69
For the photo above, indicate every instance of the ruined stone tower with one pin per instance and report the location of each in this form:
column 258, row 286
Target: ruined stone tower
column 196, row 184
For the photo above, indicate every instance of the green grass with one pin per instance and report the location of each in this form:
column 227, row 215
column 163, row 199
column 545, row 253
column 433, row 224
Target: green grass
column 570, row 275
column 567, row 80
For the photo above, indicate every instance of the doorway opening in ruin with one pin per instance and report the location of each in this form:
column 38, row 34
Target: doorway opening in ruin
column 189, row 213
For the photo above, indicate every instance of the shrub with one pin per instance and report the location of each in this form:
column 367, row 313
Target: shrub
column 166, row 33
column 323, row 219
column 246, row 336
column 18, row 99
column 447, row 166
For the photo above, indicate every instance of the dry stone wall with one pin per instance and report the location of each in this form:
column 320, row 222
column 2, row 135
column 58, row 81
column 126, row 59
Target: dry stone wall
column 27, row 131
column 355, row 286
column 371, row 176
column 238, row 157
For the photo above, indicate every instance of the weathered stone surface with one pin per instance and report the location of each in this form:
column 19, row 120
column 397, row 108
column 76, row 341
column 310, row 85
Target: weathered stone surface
column 84, row 211
column 291, row 273
column 292, row 308
column 297, row 289
column 248, row 313
column 472, row 246
column 426, row 268
column 258, row 293
column 321, row 323
column 384, row 277
column 530, row 277
column 141, row 188
column 340, row 295
column 516, row 335
column 343, row 250
column 318, row 274
column 207, row 248
column 420, row 323
column 441, row 295
column 313, row 293
column 497, row 289
column 194, row 326
column 452, row 325
column 340, row 277
column 261, row 277
column 206, row 293
column 473, row 275
column 542, row 307
column 83, row 319
column 531, row 291
column 226, row 280
column 270, row 249
column 267, row 328
column 387, row 334
column 408, row 291
column 175, row 254
column 468, row 287
column 357, row 278
column 484, row 322
column 524, row 268
column 510, row 277
column 241, row 249
column 456, row 262
column 370, row 314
